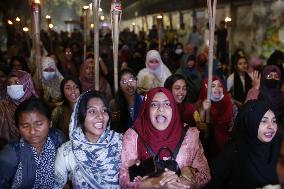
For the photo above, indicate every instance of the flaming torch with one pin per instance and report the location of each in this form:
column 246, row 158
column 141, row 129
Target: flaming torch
column 116, row 15
column 85, row 29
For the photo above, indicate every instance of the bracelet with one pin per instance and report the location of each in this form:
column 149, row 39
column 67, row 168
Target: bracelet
column 190, row 180
column 189, row 177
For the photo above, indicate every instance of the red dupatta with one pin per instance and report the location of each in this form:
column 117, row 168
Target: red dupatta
column 155, row 138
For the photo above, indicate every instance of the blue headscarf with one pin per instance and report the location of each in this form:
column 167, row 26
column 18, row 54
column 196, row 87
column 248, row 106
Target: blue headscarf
column 99, row 162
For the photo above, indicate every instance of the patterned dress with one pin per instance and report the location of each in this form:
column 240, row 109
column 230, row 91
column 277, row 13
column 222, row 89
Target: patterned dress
column 88, row 164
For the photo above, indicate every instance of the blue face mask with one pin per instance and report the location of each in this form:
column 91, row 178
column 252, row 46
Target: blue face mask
column 16, row 92
column 215, row 99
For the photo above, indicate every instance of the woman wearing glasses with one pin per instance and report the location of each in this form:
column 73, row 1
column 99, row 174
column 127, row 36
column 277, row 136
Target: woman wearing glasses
column 126, row 104
column 267, row 87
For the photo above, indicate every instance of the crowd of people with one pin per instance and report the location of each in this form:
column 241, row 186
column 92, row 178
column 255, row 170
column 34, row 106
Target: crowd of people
column 56, row 131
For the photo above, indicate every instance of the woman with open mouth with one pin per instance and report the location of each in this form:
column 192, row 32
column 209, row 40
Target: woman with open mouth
column 249, row 160
column 177, row 84
column 71, row 89
column 91, row 159
column 221, row 114
column 159, row 126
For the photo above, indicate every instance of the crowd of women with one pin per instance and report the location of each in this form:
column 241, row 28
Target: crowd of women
column 56, row 131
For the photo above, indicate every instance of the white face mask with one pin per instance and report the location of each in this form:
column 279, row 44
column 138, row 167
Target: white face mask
column 16, row 92
column 178, row 51
column 48, row 75
column 215, row 99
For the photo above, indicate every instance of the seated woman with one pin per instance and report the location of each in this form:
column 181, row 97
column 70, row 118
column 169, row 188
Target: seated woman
column 159, row 125
column 239, row 82
column 155, row 73
column 29, row 162
column 4, row 74
column 51, row 79
column 221, row 114
column 20, row 87
column 189, row 71
column 268, row 88
column 249, row 161
column 127, row 102
column 178, row 86
column 91, row 159
column 19, row 63
column 87, row 78
column 71, row 89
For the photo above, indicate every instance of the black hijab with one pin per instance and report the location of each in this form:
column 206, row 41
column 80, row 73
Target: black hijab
column 256, row 160
column 271, row 94
column 277, row 58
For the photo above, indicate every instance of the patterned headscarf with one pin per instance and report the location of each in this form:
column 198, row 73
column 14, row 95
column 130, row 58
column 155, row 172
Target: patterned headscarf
column 25, row 79
column 53, row 84
column 98, row 162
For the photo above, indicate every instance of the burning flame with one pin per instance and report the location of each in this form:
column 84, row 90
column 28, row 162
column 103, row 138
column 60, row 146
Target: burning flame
column 25, row 29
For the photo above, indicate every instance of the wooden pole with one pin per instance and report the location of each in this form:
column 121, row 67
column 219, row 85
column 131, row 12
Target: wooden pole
column 116, row 14
column 96, row 6
column 85, row 23
column 212, row 17
column 159, row 27
column 36, row 39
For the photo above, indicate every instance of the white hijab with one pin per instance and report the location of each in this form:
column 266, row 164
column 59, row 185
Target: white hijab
column 149, row 78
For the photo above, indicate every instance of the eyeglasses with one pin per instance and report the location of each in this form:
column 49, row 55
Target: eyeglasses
column 128, row 81
column 272, row 76
column 158, row 105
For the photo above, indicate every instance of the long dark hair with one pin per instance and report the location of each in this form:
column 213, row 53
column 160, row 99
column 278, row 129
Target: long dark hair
column 172, row 79
column 120, row 99
column 238, row 92
column 82, row 109
column 64, row 81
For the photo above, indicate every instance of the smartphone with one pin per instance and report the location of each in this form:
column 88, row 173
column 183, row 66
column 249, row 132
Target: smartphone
column 145, row 168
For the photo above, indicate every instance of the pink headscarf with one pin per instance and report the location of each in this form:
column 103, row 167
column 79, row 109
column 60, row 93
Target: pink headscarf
column 89, row 83
column 25, row 79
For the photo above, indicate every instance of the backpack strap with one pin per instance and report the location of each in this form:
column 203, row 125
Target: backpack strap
column 175, row 152
column 149, row 149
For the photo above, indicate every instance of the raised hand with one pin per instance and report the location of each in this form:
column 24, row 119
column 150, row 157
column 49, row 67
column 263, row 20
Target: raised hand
column 256, row 79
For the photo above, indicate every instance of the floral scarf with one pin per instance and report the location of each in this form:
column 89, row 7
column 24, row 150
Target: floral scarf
column 35, row 171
